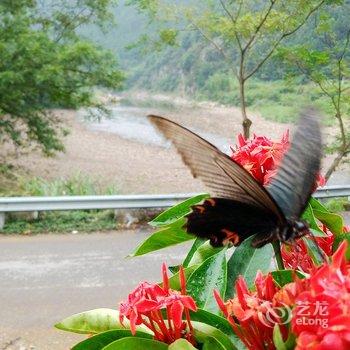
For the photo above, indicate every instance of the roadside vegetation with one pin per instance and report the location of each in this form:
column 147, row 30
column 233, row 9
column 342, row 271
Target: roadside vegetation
column 60, row 221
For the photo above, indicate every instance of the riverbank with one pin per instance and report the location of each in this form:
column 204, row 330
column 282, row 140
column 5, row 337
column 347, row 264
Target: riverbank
column 124, row 160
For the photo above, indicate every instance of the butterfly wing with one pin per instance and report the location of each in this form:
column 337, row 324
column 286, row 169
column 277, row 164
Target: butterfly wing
column 224, row 177
column 295, row 180
column 226, row 220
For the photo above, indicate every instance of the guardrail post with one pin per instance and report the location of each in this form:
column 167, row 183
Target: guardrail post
column 2, row 220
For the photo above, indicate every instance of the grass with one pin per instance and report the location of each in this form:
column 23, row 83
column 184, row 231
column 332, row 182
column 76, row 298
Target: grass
column 278, row 100
column 76, row 185
column 61, row 221
column 337, row 205
column 70, row 221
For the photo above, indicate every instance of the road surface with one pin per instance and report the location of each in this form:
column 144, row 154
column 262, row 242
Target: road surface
column 46, row 278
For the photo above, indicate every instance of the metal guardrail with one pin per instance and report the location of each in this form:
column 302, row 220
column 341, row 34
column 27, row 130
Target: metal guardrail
column 35, row 204
column 17, row 204
column 332, row 191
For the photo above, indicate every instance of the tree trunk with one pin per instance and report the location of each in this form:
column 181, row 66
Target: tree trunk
column 336, row 162
column 246, row 123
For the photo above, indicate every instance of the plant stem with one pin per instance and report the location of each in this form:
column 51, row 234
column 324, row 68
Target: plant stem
column 278, row 256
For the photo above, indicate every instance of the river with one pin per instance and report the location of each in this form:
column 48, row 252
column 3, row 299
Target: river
column 129, row 122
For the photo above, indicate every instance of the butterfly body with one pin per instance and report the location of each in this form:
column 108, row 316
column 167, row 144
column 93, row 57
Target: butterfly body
column 226, row 221
column 241, row 206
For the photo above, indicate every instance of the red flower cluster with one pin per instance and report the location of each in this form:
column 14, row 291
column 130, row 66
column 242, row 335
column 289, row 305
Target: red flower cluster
column 321, row 318
column 317, row 308
column 145, row 303
column 253, row 314
column 296, row 256
column 261, row 156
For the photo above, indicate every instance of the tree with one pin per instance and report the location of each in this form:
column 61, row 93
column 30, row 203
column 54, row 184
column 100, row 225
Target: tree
column 45, row 64
column 246, row 33
column 327, row 65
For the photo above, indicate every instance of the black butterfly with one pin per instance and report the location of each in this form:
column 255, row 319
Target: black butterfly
column 241, row 206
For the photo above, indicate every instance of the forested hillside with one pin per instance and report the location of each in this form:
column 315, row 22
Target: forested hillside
column 195, row 69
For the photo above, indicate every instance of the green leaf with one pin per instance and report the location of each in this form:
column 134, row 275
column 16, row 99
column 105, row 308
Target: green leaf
column 163, row 238
column 94, row 321
column 309, row 216
column 277, row 338
column 212, row 344
column 313, row 250
column 174, row 269
column 339, row 239
column 218, row 322
column 333, row 221
column 204, row 251
column 316, row 204
column 196, row 244
column 181, row 344
column 100, row 340
column 246, row 261
column 211, row 337
column 210, row 275
column 289, row 344
column 178, row 211
column 174, row 281
column 133, row 343
column 317, row 233
column 283, row 277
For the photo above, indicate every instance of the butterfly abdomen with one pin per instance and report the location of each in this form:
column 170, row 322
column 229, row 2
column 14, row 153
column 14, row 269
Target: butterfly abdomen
column 227, row 221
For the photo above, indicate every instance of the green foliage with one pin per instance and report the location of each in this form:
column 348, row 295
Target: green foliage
column 245, row 261
column 218, row 322
column 50, row 222
column 210, row 275
column 75, row 185
column 333, row 221
column 181, row 344
column 283, row 277
column 165, row 237
column 136, row 344
column 83, row 221
column 176, row 212
column 44, row 64
column 327, row 66
column 336, row 205
column 110, row 334
column 100, row 340
column 94, row 322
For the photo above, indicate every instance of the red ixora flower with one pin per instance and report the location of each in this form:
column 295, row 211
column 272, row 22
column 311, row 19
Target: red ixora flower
column 253, row 315
column 144, row 305
column 261, row 156
column 321, row 317
column 296, row 256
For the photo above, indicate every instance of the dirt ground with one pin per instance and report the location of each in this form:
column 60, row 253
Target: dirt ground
column 134, row 167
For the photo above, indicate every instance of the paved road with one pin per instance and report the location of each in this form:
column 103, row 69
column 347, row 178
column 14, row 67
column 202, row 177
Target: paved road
column 45, row 278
